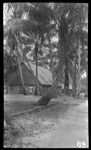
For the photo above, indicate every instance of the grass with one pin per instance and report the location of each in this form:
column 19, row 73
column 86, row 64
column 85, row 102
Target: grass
column 14, row 107
column 41, row 121
column 11, row 134
column 37, row 123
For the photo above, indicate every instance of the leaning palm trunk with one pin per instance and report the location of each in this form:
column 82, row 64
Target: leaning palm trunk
column 20, row 69
column 24, row 59
column 44, row 100
column 53, row 91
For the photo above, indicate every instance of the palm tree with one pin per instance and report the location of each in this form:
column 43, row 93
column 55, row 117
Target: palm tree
column 70, row 20
column 67, row 18
column 36, row 58
column 38, row 26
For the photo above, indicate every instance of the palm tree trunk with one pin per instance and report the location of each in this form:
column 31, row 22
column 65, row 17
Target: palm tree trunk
column 74, row 85
column 19, row 55
column 79, row 68
column 53, row 91
column 66, row 71
column 22, row 80
column 36, row 88
column 50, row 50
column 66, row 82
column 86, row 68
column 51, row 57
column 23, row 57
column 36, row 80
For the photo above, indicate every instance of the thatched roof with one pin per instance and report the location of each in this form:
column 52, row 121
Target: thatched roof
column 44, row 76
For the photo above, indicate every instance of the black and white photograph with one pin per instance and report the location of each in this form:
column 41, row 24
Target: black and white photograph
column 45, row 57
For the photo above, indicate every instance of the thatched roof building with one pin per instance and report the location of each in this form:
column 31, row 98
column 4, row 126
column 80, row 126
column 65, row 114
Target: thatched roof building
column 29, row 76
column 44, row 76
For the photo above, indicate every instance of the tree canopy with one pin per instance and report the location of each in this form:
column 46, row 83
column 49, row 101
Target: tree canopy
column 40, row 22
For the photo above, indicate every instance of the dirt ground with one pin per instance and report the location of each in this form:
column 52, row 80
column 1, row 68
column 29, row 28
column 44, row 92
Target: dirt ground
column 63, row 123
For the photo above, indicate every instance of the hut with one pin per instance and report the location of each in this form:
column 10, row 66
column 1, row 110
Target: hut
column 29, row 76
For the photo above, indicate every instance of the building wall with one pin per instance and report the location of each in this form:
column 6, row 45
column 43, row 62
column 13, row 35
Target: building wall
column 16, row 90
column 19, row 90
column 30, row 90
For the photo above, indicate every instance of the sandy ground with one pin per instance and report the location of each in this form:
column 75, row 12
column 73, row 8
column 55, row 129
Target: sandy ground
column 72, row 130
column 63, row 123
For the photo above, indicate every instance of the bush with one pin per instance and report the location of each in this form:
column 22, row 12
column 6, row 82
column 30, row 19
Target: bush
column 11, row 134
column 83, row 86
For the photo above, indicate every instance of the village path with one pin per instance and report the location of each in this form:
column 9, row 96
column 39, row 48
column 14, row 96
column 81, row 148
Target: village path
column 20, row 98
column 72, row 132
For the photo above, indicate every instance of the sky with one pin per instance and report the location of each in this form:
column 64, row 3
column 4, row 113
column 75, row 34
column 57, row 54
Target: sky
column 6, row 15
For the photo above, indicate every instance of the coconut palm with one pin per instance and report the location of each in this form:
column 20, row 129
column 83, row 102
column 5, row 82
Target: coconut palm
column 37, row 26
column 68, row 18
